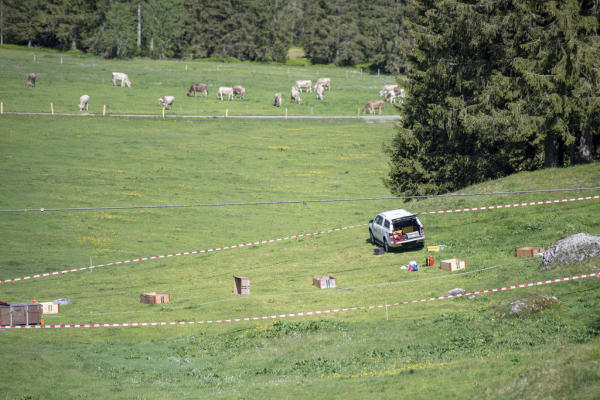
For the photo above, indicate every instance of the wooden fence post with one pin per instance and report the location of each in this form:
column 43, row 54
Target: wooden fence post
column 163, row 112
column 226, row 112
column 104, row 110
column 52, row 108
column 286, row 113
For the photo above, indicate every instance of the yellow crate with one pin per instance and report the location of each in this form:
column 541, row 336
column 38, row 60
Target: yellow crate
column 433, row 248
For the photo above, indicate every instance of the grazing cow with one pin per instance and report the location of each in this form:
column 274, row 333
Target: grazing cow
column 84, row 102
column 239, row 91
column 325, row 82
column 386, row 89
column 296, row 95
column 225, row 91
column 166, row 101
column 277, row 100
column 198, row 87
column 31, row 80
column 119, row 76
column 304, row 85
column 319, row 89
column 371, row 106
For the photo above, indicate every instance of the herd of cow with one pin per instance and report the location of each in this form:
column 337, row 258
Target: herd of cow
column 389, row 92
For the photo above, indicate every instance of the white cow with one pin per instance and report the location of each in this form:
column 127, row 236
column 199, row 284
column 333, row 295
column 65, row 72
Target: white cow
column 166, row 101
column 396, row 93
column 119, row 76
column 325, row 82
column 304, row 85
column 225, row 91
column 84, row 102
column 320, row 90
column 277, row 100
column 296, row 95
column 386, row 89
column 239, row 91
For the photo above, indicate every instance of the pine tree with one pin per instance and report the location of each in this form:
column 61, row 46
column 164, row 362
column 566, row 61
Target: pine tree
column 117, row 37
column 163, row 26
column 496, row 87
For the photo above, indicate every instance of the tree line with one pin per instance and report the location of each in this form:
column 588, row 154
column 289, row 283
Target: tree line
column 341, row 32
column 497, row 87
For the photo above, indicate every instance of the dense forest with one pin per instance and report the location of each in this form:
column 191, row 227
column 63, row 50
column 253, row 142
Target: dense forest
column 497, row 87
column 341, row 32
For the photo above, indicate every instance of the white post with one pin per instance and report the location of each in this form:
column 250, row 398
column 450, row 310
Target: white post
column 226, row 112
column 1, row 108
column 387, row 317
column 52, row 108
column 286, row 113
column 163, row 112
column 104, row 110
column 61, row 60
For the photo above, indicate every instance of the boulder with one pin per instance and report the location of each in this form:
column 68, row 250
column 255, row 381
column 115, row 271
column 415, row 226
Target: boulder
column 527, row 305
column 571, row 249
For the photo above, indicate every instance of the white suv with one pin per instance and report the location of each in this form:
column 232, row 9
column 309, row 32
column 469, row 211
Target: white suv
column 397, row 228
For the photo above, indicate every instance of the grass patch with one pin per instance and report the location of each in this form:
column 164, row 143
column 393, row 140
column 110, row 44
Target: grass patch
column 453, row 349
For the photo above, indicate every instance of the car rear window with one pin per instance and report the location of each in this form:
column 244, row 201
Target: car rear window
column 406, row 224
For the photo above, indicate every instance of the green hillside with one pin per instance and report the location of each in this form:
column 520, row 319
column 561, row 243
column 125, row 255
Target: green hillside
column 455, row 348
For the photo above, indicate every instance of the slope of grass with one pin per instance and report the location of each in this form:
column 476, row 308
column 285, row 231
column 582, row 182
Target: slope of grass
column 453, row 348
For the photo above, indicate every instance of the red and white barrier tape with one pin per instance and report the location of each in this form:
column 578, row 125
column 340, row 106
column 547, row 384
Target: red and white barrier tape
column 300, row 314
column 285, row 238
column 533, row 203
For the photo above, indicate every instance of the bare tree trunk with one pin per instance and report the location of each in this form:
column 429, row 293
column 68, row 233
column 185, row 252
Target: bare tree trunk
column 550, row 152
column 139, row 26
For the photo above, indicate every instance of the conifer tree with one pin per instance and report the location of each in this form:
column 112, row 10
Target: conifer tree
column 495, row 87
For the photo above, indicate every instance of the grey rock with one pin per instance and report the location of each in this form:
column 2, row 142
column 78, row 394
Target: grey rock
column 571, row 249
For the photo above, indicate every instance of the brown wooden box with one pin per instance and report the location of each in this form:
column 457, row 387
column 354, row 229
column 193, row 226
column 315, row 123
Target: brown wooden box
column 323, row 282
column 529, row 251
column 241, row 285
column 155, row 298
column 21, row 314
column 49, row 307
column 453, row 264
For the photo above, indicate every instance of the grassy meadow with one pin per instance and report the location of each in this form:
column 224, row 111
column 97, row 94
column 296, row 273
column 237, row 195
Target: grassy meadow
column 63, row 84
column 460, row 348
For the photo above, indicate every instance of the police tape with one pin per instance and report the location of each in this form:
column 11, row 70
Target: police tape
column 301, row 314
column 185, row 253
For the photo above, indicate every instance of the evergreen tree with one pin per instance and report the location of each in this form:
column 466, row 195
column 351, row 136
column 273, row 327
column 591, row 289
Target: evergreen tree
column 495, row 88
column 333, row 36
column 163, row 26
column 117, row 35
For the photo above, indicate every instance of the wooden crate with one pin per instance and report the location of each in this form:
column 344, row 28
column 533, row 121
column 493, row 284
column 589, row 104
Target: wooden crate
column 323, row 282
column 529, row 251
column 49, row 307
column 155, row 298
column 453, row 264
column 21, row 314
column 241, row 285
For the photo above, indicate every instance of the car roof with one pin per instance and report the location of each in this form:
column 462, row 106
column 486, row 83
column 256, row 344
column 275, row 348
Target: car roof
column 395, row 214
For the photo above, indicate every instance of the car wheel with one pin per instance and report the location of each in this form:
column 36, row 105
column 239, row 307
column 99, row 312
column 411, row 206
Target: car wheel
column 386, row 247
column 372, row 237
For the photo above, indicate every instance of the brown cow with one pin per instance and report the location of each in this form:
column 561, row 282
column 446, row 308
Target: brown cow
column 198, row 87
column 239, row 91
column 31, row 80
column 371, row 106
